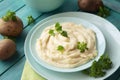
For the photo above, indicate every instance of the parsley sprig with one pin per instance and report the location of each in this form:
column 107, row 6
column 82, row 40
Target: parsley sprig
column 82, row 46
column 51, row 32
column 60, row 48
column 64, row 33
column 99, row 68
column 58, row 29
column 10, row 15
column 30, row 19
column 103, row 12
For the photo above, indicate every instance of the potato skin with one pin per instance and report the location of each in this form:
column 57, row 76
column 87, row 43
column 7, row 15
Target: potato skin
column 90, row 5
column 11, row 28
column 7, row 48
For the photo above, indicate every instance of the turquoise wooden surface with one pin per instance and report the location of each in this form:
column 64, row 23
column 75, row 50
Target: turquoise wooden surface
column 113, row 4
column 10, row 5
column 12, row 69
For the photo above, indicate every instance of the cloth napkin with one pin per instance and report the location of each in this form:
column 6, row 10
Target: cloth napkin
column 30, row 74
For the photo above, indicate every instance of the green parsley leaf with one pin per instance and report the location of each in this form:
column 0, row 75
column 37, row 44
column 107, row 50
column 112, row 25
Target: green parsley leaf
column 30, row 20
column 103, row 12
column 82, row 46
column 105, row 62
column 5, row 18
column 96, row 70
column 60, row 48
column 99, row 68
column 14, row 18
column 58, row 27
column 51, row 32
column 64, row 33
column 57, row 24
column 10, row 15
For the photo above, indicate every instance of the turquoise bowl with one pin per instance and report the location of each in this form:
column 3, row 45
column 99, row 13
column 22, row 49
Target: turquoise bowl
column 44, row 5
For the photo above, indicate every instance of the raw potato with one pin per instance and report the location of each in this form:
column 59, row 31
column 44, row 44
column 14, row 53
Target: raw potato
column 7, row 48
column 90, row 5
column 11, row 28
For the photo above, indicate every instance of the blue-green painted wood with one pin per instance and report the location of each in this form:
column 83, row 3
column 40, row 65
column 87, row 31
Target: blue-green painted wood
column 113, row 4
column 15, row 72
column 10, row 5
column 114, row 18
column 5, row 65
column 25, row 12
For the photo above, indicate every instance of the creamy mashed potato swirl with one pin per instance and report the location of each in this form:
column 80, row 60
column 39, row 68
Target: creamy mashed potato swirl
column 46, row 46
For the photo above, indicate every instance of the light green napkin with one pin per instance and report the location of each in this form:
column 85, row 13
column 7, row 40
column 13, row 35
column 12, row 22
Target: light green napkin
column 30, row 74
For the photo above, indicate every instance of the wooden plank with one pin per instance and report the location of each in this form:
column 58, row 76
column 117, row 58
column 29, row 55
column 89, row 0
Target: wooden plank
column 114, row 18
column 25, row 12
column 10, row 5
column 5, row 65
column 15, row 72
column 113, row 4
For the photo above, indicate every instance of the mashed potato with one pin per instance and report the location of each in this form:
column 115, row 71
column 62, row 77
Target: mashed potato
column 46, row 46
